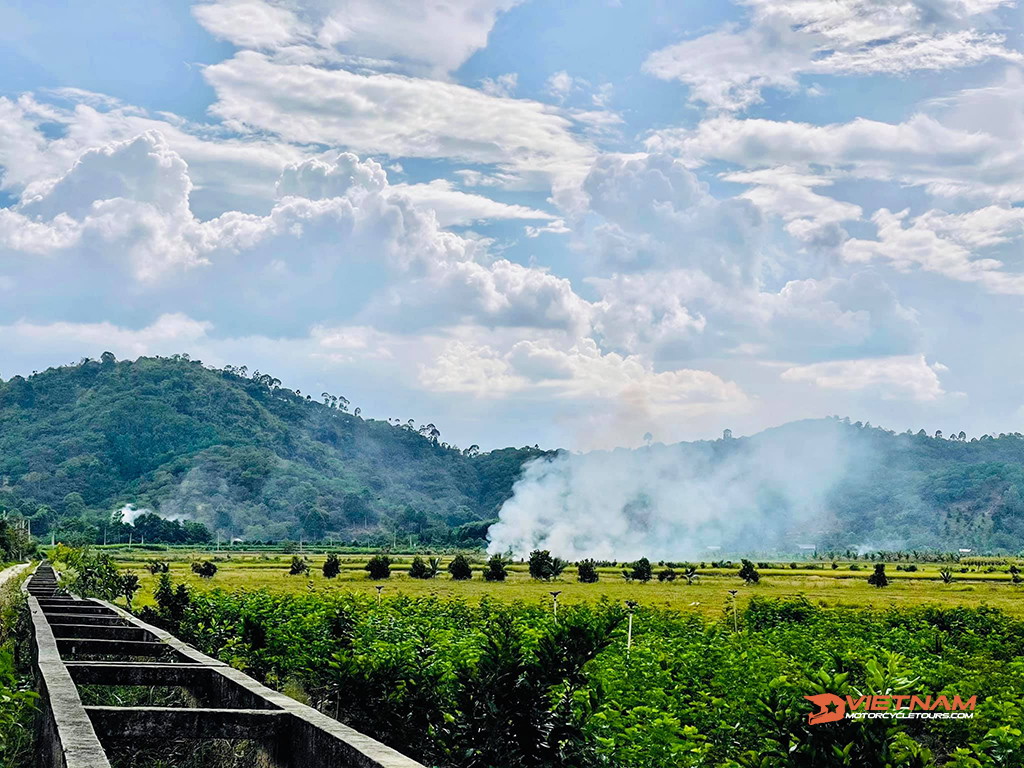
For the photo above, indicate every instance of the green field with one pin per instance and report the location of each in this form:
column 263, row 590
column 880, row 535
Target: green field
column 708, row 595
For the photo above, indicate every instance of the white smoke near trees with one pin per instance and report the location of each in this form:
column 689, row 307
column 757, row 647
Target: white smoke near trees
column 674, row 502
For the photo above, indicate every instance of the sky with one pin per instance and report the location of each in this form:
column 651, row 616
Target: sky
column 565, row 223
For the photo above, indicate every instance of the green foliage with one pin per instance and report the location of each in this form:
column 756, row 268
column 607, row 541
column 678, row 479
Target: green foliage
column 497, row 569
column 158, row 566
column 332, row 566
column 458, row 686
column 641, row 571
column 586, row 572
column 205, row 569
column 378, row 567
column 749, row 573
column 298, row 567
column 93, row 574
column 17, row 700
column 878, row 578
column 460, row 569
column 544, row 567
column 421, row 569
column 235, row 454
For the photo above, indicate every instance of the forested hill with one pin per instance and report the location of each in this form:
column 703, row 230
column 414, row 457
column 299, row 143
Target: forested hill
column 236, row 454
column 234, row 451
column 905, row 490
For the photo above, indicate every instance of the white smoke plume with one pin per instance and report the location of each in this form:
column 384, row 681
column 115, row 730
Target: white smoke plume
column 129, row 514
column 675, row 502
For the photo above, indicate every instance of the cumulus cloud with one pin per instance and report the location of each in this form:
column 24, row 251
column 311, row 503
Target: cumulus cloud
column 729, row 68
column 655, row 212
column 337, row 220
column 685, row 315
column 419, row 34
column 623, row 394
column 395, row 115
column 945, row 244
column 908, row 377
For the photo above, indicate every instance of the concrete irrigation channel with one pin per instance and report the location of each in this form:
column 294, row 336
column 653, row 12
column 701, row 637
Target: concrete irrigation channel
column 90, row 650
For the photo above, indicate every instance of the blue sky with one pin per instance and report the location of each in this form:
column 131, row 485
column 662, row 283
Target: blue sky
column 529, row 222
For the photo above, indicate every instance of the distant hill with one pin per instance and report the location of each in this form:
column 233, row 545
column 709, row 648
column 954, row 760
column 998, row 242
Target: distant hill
column 235, row 451
column 911, row 490
column 245, row 457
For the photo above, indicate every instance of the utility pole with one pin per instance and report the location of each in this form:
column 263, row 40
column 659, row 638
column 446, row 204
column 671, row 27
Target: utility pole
column 735, row 621
column 631, row 605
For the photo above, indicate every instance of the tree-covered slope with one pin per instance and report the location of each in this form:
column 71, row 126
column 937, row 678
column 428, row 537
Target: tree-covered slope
column 246, row 457
column 914, row 489
column 234, row 451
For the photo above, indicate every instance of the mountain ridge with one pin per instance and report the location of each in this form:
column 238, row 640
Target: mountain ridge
column 249, row 458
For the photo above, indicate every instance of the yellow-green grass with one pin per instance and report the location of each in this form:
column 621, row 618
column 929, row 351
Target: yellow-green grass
column 709, row 595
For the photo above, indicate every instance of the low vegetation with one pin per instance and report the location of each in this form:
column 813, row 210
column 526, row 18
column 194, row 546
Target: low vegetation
column 465, row 685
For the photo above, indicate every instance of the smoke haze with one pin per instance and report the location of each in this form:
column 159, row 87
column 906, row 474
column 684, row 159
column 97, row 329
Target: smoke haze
column 673, row 502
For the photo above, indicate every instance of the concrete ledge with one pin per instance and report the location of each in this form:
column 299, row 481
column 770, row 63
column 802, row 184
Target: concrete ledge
column 157, row 725
column 289, row 734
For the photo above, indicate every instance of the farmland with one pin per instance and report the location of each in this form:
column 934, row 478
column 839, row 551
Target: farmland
column 708, row 595
column 471, row 674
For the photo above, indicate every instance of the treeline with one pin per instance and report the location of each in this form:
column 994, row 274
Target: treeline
column 234, row 451
column 15, row 543
column 460, row 685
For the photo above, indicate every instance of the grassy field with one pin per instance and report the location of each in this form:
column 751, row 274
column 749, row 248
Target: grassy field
column 709, row 595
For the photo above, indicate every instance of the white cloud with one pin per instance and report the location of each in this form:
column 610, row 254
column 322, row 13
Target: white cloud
column 943, row 243
column 502, row 86
column 789, row 194
column 577, row 371
column 227, row 172
column 728, row 68
column 454, row 207
column 655, row 212
column 908, row 377
column 947, row 160
column 168, row 334
column 306, row 246
column 683, row 314
column 251, row 23
column 419, row 34
column 396, row 116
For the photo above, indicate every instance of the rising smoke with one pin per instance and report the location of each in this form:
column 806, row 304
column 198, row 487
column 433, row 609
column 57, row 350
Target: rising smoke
column 676, row 502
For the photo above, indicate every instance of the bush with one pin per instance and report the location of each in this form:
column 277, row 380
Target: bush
column 496, row 569
column 379, row 567
column 418, row 568
column 749, row 573
column 668, row 574
column 205, row 569
column 544, row 567
column 299, row 567
column 157, row 567
column 586, row 571
column 878, row 578
column 641, row 571
column 460, row 568
column 332, row 566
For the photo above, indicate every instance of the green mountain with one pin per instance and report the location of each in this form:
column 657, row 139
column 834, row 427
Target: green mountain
column 236, row 452
column 907, row 490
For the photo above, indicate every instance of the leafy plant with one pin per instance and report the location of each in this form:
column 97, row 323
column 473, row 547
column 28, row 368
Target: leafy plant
column 497, row 569
column 460, row 568
column 332, row 566
column 378, row 567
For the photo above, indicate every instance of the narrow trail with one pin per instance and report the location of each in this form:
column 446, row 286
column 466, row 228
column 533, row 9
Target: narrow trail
column 9, row 573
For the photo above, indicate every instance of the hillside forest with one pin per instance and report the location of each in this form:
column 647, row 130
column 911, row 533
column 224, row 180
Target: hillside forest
column 170, row 450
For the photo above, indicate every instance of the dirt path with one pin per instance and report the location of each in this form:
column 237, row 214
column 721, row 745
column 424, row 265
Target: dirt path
column 10, row 573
